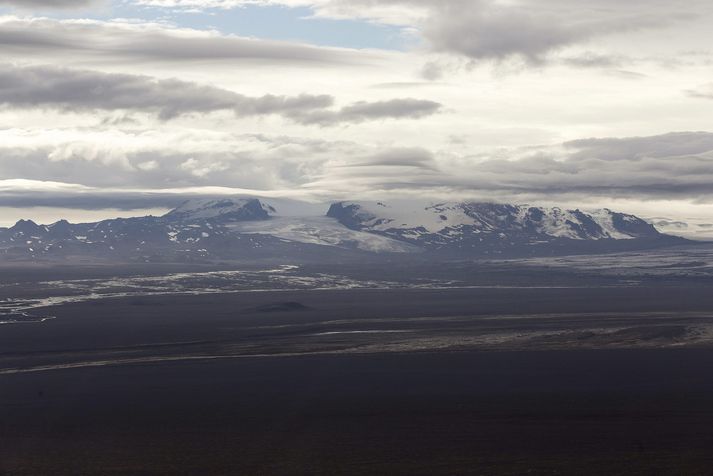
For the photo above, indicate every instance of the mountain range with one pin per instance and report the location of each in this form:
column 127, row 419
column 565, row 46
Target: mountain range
column 250, row 229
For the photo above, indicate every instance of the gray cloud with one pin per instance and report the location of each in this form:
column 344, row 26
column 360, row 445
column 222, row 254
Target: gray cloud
column 399, row 157
column 674, row 144
column 670, row 165
column 367, row 111
column 155, row 168
column 125, row 41
column 595, row 60
column 676, row 165
column 529, row 29
column 75, row 90
column 79, row 90
column 95, row 200
column 412, row 108
column 487, row 30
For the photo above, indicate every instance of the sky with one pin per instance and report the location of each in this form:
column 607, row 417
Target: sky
column 121, row 107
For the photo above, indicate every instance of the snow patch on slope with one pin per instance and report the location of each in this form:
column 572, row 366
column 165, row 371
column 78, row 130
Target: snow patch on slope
column 605, row 218
column 322, row 231
column 378, row 216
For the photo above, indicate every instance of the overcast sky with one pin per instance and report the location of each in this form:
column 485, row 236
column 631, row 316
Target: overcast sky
column 111, row 107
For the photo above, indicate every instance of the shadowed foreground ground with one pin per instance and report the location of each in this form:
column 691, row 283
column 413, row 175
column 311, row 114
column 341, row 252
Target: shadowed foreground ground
column 563, row 412
column 613, row 407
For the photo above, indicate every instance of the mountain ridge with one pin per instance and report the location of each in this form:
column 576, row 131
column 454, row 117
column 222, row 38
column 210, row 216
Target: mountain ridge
column 484, row 217
column 249, row 228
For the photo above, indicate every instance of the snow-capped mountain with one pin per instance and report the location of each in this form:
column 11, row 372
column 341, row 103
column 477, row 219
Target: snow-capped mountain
column 196, row 230
column 249, row 229
column 224, row 210
column 486, row 225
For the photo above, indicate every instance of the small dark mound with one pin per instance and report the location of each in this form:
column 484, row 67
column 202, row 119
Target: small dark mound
column 282, row 307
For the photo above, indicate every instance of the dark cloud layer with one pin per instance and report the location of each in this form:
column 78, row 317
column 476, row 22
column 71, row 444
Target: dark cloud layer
column 79, row 90
column 670, row 165
column 675, row 144
column 97, row 200
column 75, row 90
column 676, row 165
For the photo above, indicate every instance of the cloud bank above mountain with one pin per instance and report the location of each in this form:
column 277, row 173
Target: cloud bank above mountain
column 678, row 165
column 524, row 100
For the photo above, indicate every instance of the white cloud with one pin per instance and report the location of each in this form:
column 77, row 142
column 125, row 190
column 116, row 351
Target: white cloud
column 148, row 166
column 203, row 168
column 89, row 152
